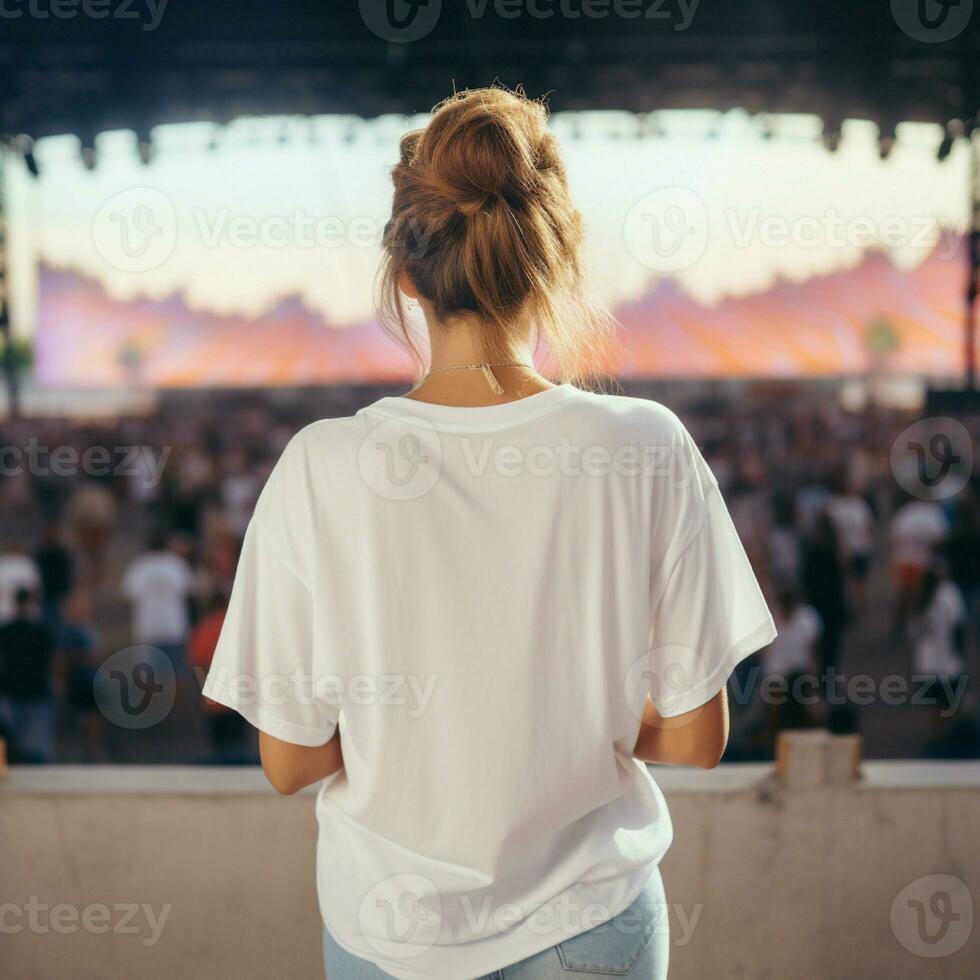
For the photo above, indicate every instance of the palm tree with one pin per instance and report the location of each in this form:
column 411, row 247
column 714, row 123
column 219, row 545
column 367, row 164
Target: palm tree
column 881, row 340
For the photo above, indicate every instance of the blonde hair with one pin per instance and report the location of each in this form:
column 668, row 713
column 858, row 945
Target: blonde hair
column 482, row 224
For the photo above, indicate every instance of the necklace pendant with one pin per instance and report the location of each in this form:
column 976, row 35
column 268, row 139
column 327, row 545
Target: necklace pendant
column 491, row 380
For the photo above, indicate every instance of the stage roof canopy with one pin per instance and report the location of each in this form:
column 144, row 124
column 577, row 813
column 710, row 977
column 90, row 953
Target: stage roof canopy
column 83, row 66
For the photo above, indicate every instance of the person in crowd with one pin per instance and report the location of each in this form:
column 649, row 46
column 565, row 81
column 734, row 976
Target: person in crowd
column 18, row 571
column 92, row 516
column 799, row 626
column 962, row 553
column 228, row 731
column 792, row 658
column 191, row 480
column 824, row 589
column 240, row 488
column 785, row 548
column 159, row 584
column 936, row 623
column 854, row 525
column 81, row 651
column 57, row 570
column 27, row 681
column 917, row 528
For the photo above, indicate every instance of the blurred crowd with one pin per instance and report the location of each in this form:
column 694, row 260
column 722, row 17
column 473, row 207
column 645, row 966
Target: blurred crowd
column 117, row 537
column 854, row 558
column 126, row 534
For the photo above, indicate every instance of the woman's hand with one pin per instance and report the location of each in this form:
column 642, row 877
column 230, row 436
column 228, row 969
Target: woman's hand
column 291, row 767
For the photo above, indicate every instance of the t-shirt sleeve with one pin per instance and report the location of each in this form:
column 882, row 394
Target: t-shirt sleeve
column 265, row 665
column 707, row 610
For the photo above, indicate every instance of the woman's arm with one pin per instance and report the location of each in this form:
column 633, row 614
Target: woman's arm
column 696, row 738
column 290, row 767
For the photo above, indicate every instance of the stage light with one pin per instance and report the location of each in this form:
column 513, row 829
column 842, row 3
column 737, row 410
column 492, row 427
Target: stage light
column 144, row 146
column 830, row 134
column 24, row 145
column 954, row 131
column 888, row 136
column 87, row 147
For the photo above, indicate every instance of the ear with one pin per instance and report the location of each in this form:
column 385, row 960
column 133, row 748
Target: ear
column 407, row 287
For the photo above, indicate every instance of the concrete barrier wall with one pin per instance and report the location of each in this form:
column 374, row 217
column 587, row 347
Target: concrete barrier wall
column 163, row 873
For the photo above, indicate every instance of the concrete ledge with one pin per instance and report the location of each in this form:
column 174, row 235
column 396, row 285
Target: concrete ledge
column 764, row 879
column 249, row 780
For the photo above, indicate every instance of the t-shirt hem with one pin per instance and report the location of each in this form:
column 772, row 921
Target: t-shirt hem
column 758, row 638
column 285, row 731
column 516, row 951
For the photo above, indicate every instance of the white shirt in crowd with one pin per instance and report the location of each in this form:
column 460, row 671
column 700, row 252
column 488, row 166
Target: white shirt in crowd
column 16, row 572
column 482, row 598
column 792, row 651
column 915, row 531
column 785, row 558
column 238, row 493
column 158, row 584
column 933, row 633
column 854, row 523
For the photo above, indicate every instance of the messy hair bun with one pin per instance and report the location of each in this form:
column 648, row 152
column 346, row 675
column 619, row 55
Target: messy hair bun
column 482, row 224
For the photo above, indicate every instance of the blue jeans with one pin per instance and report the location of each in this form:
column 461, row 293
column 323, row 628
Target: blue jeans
column 31, row 725
column 621, row 947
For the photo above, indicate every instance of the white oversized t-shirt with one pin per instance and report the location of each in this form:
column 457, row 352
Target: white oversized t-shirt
column 792, row 651
column 482, row 598
column 158, row 584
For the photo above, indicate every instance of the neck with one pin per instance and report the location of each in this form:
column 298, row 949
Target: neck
column 459, row 343
column 455, row 346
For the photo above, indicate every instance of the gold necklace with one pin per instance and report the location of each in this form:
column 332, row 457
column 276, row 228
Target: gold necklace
column 483, row 366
